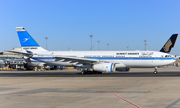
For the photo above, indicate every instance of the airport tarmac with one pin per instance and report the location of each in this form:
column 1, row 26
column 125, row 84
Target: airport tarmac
column 69, row 89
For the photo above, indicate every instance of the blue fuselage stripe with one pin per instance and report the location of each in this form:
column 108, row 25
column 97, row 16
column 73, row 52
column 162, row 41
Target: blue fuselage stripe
column 117, row 58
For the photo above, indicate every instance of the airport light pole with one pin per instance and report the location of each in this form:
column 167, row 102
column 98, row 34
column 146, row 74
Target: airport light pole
column 68, row 48
column 107, row 46
column 91, row 36
column 145, row 44
column 98, row 45
column 46, row 42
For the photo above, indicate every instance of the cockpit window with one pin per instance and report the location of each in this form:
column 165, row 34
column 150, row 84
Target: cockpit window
column 168, row 56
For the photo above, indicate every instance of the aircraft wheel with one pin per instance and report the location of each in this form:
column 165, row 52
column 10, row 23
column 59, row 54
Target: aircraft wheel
column 93, row 72
column 99, row 72
column 84, row 72
column 155, row 72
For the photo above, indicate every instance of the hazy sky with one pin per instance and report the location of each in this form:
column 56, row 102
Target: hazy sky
column 68, row 23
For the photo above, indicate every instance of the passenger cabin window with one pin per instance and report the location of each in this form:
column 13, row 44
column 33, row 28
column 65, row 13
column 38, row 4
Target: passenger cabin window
column 108, row 56
column 92, row 56
column 87, row 56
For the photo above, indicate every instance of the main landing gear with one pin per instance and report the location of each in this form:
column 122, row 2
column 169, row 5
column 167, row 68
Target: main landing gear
column 85, row 71
column 155, row 70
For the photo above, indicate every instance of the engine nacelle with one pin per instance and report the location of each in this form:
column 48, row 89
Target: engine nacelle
column 26, row 58
column 104, row 67
column 41, row 64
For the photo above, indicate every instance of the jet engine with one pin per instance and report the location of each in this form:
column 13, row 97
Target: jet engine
column 104, row 67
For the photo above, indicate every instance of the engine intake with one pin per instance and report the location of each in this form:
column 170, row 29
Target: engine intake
column 104, row 67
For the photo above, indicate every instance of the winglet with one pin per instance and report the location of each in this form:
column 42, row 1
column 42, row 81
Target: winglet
column 169, row 44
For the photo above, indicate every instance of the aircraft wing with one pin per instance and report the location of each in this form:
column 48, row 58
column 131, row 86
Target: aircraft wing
column 86, row 61
column 21, row 52
column 80, row 60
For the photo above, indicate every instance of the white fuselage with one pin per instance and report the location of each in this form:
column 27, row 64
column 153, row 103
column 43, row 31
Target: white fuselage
column 128, row 58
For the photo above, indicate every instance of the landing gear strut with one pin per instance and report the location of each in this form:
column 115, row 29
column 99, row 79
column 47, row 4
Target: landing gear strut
column 155, row 70
column 85, row 71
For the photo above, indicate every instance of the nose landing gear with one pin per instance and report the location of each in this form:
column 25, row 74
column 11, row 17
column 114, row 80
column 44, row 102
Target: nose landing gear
column 155, row 70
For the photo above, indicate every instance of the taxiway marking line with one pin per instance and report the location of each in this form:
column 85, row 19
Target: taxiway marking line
column 169, row 106
column 101, row 91
column 126, row 101
column 120, row 91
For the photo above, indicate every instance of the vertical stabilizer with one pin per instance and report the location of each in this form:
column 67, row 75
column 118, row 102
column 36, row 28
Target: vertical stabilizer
column 26, row 41
column 169, row 44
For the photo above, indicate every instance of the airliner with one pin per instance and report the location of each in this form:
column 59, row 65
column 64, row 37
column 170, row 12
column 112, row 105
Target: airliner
column 97, row 61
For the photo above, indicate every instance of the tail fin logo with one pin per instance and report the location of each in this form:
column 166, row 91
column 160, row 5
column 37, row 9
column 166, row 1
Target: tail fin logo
column 167, row 46
column 26, row 39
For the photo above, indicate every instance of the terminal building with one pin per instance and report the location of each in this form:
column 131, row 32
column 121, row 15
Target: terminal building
column 11, row 60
